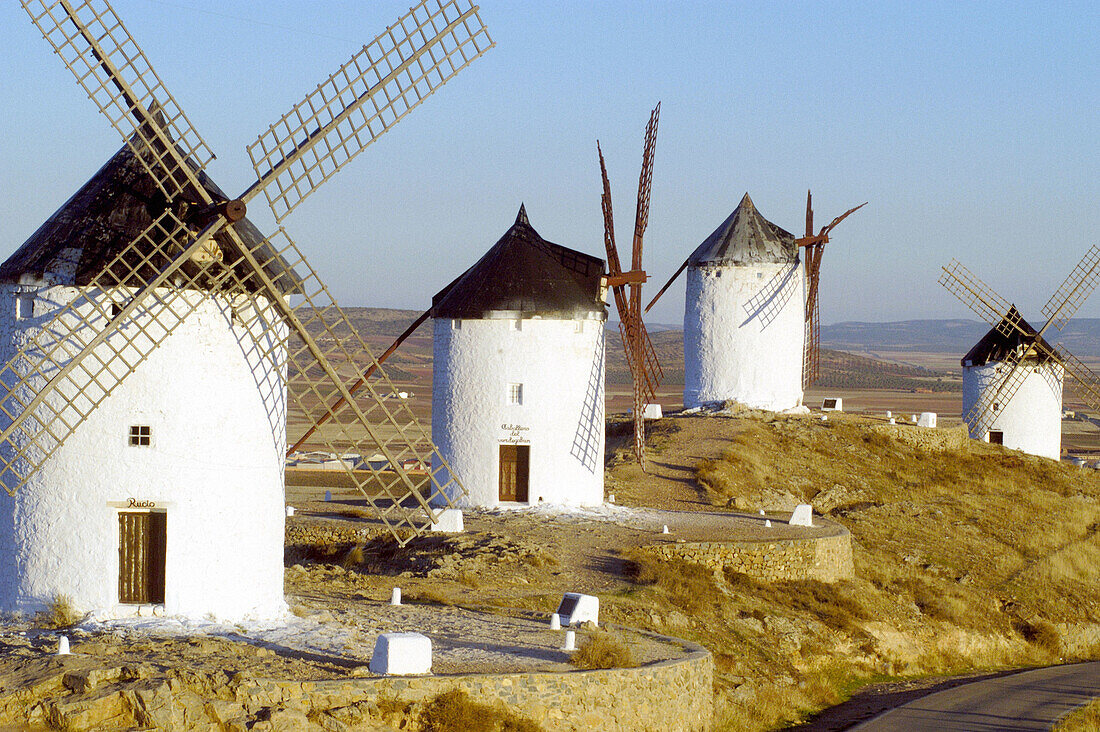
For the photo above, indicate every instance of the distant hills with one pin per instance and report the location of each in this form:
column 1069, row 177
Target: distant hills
column 379, row 326
column 1081, row 336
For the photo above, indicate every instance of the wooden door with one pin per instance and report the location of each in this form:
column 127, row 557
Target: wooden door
column 142, row 537
column 996, row 438
column 515, row 461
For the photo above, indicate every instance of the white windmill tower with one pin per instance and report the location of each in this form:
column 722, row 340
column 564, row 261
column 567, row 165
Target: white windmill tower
column 150, row 334
column 1013, row 378
column 518, row 373
column 751, row 313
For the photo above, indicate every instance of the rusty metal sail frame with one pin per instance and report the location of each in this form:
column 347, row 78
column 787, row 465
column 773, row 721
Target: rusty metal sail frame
column 641, row 356
column 815, row 247
column 999, row 313
column 279, row 305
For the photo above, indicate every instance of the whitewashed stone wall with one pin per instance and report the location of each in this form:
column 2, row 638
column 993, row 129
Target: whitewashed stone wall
column 1032, row 419
column 217, row 412
column 731, row 349
column 560, row 364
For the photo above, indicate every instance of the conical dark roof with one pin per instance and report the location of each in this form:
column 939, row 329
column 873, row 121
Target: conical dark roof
column 996, row 346
column 102, row 218
column 526, row 274
column 746, row 237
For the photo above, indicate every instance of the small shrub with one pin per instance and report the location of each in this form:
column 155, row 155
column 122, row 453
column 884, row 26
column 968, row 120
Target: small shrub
column 454, row 711
column 689, row 587
column 603, row 650
column 1040, row 633
column 354, row 558
column 61, row 613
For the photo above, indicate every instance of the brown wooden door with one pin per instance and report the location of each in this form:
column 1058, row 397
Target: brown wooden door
column 996, row 438
column 515, row 461
column 141, row 548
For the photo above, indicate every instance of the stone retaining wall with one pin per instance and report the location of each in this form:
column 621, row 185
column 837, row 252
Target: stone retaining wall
column 825, row 558
column 667, row 695
column 928, row 438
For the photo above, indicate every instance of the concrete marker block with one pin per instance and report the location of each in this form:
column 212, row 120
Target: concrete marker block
column 802, row 516
column 926, row 419
column 449, row 521
column 576, row 608
column 402, row 654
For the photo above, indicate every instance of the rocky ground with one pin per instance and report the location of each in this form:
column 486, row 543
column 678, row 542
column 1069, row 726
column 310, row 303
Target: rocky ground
column 968, row 557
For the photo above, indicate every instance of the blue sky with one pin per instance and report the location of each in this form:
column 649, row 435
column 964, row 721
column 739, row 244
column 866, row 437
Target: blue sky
column 972, row 129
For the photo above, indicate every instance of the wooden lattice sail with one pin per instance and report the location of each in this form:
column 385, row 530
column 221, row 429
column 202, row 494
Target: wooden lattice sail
column 641, row 356
column 200, row 245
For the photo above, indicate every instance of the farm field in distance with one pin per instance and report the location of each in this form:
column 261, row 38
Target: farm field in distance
column 870, row 366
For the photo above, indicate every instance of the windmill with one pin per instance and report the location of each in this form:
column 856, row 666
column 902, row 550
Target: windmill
column 743, row 339
column 1024, row 362
column 641, row 357
column 197, row 243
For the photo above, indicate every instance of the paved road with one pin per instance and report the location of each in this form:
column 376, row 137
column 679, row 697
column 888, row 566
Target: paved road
column 1030, row 700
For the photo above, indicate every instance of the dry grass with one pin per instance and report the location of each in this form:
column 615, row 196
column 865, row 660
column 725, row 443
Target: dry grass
column 602, row 649
column 454, row 711
column 61, row 613
column 1084, row 719
column 965, row 559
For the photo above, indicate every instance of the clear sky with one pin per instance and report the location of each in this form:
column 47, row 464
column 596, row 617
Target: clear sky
column 972, row 128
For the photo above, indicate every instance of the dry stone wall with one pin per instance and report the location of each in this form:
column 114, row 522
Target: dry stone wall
column 667, row 696
column 825, row 558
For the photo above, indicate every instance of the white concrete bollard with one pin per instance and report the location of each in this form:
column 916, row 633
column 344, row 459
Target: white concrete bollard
column 893, row 421
column 889, row 414
column 555, row 621
column 664, row 529
column 824, row 418
column 610, row 497
column 761, row 512
column 927, row 419
column 570, row 641
column 803, row 515
column 63, row 645
column 913, row 418
column 328, row 496
column 402, row 654
column 395, row 596
column 767, row 523
column 289, row 511
column 651, row 411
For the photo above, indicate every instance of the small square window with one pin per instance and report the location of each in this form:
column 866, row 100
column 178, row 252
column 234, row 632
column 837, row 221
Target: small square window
column 141, row 435
column 456, row 324
column 517, row 325
column 578, row 327
column 24, row 306
column 515, row 393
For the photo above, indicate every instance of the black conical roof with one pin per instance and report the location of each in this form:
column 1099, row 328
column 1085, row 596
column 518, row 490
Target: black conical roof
column 996, row 346
column 746, row 237
column 525, row 274
column 101, row 219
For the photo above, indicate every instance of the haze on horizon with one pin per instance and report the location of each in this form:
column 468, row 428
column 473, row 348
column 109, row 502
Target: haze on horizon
column 972, row 131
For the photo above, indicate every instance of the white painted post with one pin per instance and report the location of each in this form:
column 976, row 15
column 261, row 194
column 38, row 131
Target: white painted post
column 611, row 498
column 395, row 596
column 63, row 645
column 893, row 421
column 664, row 529
column 289, row 511
column 570, row 641
column 555, row 621
column 767, row 523
column 889, row 414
